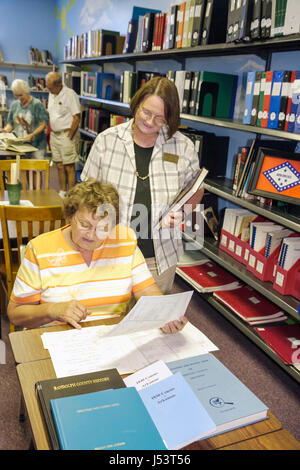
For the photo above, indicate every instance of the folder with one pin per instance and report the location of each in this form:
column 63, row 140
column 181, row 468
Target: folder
column 230, row 20
column 267, row 97
column 200, row 7
column 292, row 18
column 215, row 22
column 249, row 97
column 236, row 20
column 172, row 36
column 256, row 18
column 245, row 20
column 275, row 99
column 261, row 99
column 289, row 100
column 286, row 83
column 180, row 25
column 187, row 92
column 284, row 340
column 295, row 91
column 190, row 22
column 255, row 101
column 268, row 22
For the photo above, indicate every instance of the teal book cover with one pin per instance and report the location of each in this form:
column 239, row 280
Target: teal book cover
column 227, row 400
column 106, row 420
column 176, row 411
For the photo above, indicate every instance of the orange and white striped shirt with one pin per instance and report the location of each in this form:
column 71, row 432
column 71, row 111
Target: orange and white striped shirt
column 52, row 271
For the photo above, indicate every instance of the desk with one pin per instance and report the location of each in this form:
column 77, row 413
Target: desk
column 30, row 372
column 34, row 364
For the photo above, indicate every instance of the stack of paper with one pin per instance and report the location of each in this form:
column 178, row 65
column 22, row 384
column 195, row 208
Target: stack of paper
column 208, row 277
column 258, row 234
column 250, row 305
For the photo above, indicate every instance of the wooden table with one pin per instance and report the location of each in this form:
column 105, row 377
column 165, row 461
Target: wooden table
column 31, row 372
column 34, row 364
column 41, row 197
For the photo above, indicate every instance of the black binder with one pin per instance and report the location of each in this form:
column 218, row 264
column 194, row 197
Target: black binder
column 187, row 92
column 256, row 19
column 148, row 32
column 200, row 7
column 255, row 102
column 245, row 20
column 284, row 99
column 230, row 20
column 215, row 22
column 172, row 34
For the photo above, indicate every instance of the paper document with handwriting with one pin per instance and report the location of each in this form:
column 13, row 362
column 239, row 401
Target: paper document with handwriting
column 89, row 349
column 153, row 311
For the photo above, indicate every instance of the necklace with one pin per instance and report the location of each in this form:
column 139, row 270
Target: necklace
column 143, row 178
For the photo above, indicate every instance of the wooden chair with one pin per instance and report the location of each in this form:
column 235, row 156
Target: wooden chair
column 34, row 174
column 29, row 222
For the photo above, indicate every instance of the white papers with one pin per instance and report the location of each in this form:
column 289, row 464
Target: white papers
column 153, row 311
column 148, row 375
column 88, row 350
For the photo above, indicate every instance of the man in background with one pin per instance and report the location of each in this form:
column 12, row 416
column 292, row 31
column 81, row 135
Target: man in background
column 64, row 113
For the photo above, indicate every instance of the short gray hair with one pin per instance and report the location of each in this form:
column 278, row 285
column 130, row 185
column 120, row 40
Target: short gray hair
column 19, row 84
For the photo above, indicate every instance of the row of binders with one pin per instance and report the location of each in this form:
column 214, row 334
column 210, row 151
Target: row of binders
column 271, row 100
column 162, row 406
column 187, row 24
column 262, row 19
column 270, row 251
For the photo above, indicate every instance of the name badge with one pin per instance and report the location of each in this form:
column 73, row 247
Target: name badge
column 170, row 157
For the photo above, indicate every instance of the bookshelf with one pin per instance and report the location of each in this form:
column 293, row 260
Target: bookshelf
column 222, row 187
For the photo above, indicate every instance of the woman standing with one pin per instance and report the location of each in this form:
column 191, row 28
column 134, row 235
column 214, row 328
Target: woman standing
column 28, row 118
column 149, row 162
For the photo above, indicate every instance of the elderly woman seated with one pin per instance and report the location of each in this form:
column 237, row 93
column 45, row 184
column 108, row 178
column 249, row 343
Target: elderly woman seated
column 90, row 267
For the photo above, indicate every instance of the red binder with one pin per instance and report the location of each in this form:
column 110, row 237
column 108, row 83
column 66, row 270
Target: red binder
column 250, row 305
column 284, row 340
column 208, row 276
column 267, row 98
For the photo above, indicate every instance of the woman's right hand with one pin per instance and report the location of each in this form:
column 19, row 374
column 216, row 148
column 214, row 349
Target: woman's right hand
column 72, row 312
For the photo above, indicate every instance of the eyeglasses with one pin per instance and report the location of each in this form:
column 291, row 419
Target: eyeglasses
column 159, row 120
column 102, row 226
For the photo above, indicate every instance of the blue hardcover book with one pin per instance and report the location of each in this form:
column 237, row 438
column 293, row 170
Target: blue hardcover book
column 226, row 399
column 176, row 411
column 105, row 85
column 275, row 100
column 249, row 97
column 106, row 420
column 294, row 103
column 297, row 117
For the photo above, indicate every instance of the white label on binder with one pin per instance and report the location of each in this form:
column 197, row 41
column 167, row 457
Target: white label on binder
column 279, row 279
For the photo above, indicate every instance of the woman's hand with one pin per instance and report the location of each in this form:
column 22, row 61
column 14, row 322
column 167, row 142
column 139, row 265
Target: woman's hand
column 28, row 138
column 173, row 219
column 175, row 325
column 72, row 312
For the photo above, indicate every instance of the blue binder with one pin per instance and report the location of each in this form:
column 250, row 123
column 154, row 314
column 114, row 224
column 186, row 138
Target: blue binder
column 275, row 99
column 249, row 97
column 294, row 103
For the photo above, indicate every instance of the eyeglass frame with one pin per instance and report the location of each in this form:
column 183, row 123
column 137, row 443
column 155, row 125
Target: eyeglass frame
column 159, row 120
column 84, row 229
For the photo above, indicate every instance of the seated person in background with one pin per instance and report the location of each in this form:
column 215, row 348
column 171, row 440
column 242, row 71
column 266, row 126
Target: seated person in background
column 89, row 267
column 28, row 118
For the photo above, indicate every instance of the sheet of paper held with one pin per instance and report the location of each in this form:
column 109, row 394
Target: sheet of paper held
column 153, row 312
column 89, row 349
